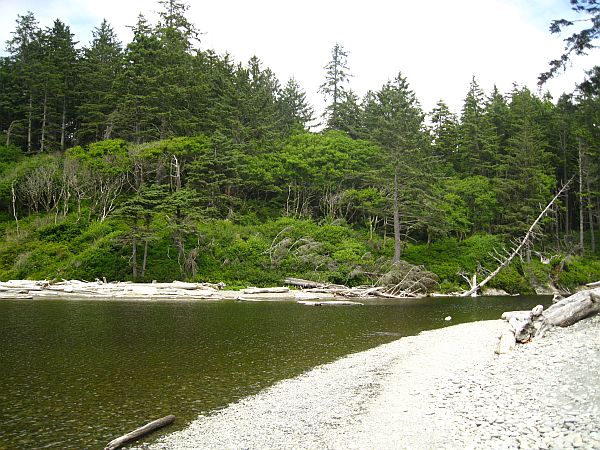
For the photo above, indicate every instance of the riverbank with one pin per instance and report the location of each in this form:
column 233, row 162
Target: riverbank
column 179, row 290
column 441, row 389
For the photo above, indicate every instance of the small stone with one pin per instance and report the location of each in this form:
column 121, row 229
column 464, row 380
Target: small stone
column 576, row 440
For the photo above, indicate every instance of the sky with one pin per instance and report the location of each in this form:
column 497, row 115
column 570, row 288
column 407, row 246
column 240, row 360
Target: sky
column 438, row 45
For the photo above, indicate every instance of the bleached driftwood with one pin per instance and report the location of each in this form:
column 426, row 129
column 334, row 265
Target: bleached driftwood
column 340, row 290
column 308, row 284
column 140, row 432
column 100, row 289
column 273, row 290
column 330, row 303
column 525, row 326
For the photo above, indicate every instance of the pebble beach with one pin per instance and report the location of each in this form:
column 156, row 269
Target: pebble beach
column 443, row 389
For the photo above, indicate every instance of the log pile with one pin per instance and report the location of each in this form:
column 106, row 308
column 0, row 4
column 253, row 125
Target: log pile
column 338, row 290
column 525, row 326
column 100, row 289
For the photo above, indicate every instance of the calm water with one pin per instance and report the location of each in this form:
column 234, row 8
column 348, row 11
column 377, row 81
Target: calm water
column 76, row 374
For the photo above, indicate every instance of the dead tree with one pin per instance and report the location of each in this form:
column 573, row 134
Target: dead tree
column 505, row 261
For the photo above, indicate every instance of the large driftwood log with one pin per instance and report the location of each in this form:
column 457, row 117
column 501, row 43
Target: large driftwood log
column 272, row 290
column 574, row 308
column 528, row 325
column 140, row 432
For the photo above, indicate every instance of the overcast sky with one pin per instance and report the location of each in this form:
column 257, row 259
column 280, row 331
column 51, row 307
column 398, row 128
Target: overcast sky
column 437, row 44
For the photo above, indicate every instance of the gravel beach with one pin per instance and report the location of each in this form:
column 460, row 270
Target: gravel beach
column 441, row 389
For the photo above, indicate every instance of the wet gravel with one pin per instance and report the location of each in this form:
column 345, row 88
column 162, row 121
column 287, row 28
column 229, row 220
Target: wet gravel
column 441, row 389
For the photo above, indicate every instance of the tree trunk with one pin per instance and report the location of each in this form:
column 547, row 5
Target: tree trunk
column 10, row 127
column 145, row 258
column 134, row 266
column 590, row 209
column 581, row 243
column 567, row 228
column 44, row 119
column 14, row 205
column 63, row 124
column 397, row 241
column 29, row 122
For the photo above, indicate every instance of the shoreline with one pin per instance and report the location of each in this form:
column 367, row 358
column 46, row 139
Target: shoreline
column 185, row 291
column 443, row 388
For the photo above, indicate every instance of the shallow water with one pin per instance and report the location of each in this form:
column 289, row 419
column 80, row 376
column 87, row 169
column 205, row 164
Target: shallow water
column 76, row 374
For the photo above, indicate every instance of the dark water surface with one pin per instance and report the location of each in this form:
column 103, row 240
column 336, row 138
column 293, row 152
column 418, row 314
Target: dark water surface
column 76, row 374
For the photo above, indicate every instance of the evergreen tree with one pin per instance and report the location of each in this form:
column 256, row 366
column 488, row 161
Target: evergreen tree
column 60, row 98
column 334, row 87
column 350, row 115
column 529, row 181
column 138, row 113
column 100, row 67
column 296, row 112
column 175, row 70
column 445, row 134
column 477, row 149
column 394, row 119
column 25, row 61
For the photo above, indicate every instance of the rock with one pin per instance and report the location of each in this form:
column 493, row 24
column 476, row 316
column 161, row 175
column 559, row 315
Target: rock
column 575, row 440
column 448, row 318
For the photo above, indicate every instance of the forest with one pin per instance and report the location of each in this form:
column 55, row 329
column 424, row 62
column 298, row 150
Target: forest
column 158, row 160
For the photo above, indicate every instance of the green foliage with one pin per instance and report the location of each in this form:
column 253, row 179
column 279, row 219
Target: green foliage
column 578, row 271
column 449, row 258
column 511, row 280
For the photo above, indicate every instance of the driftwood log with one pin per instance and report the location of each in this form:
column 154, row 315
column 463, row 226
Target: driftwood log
column 329, row 303
column 525, row 326
column 140, row 432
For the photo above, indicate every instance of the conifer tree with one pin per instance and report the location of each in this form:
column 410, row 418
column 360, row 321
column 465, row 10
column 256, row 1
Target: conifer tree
column 394, row 119
column 334, row 87
column 445, row 134
column 296, row 112
column 25, row 60
column 100, row 67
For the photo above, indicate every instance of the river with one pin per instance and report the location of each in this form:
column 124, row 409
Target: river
column 76, row 374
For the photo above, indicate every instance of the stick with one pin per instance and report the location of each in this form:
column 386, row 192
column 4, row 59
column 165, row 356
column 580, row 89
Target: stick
column 139, row 432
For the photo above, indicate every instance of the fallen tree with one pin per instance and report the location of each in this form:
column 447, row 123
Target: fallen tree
column 525, row 326
column 505, row 261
